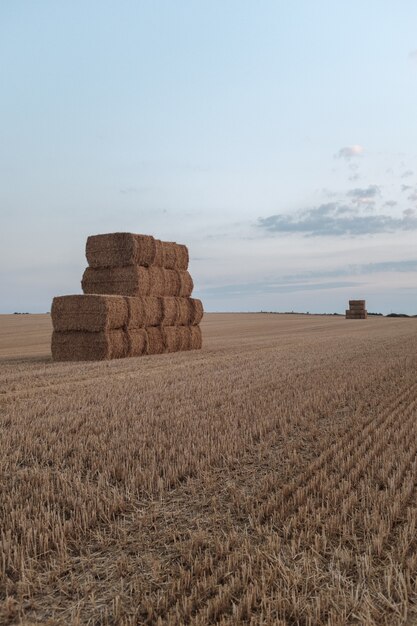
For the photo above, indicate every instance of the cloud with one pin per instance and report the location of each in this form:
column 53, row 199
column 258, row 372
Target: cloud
column 406, row 187
column 407, row 173
column 349, row 152
column 413, row 55
column 390, row 203
column 413, row 196
column 278, row 286
column 364, row 196
column 334, row 219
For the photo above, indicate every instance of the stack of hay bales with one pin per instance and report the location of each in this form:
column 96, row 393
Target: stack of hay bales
column 356, row 310
column 137, row 301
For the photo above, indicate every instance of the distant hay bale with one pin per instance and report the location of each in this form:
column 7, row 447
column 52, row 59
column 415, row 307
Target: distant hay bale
column 356, row 315
column 137, row 340
column 153, row 310
column 186, row 284
column 155, row 340
column 360, row 303
column 120, row 249
column 86, row 346
column 196, row 339
column 169, row 311
column 92, row 313
column 125, row 281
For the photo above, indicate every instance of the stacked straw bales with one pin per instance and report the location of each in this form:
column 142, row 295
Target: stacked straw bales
column 356, row 310
column 137, row 301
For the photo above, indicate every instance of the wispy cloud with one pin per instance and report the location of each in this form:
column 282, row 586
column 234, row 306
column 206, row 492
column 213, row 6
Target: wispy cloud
column 413, row 55
column 365, row 195
column 349, row 152
column 334, row 219
column 407, row 173
column 271, row 287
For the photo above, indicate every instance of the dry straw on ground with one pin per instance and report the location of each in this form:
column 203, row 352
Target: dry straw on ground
column 229, row 486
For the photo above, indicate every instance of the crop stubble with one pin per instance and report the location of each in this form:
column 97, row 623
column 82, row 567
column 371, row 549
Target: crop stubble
column 270, row 478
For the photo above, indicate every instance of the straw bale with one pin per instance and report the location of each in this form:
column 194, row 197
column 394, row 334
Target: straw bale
column 91, row 313
column 182, row 256
column 125, row 281
column 119, row 249
column 169, row 255
column 185, row 311
column 185, row 337
column 153, row 310
column 196, row 339
column 170, row 311
column 137, row 340
column 86, row 346
column 156, row 281
column 136, row 317
column 159, row 253
column 350, row 315
column 155, row 340
column 186, row 284
column 357, row 303
column 197, row 311
column 172, row 281
column 173, row 338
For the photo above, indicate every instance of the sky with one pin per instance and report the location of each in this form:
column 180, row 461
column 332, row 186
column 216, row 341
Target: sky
column 278, row 140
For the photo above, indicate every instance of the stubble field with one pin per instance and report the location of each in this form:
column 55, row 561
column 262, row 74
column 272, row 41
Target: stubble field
column 270, row 478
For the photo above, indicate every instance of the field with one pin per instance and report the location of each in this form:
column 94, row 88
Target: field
column 270, row 478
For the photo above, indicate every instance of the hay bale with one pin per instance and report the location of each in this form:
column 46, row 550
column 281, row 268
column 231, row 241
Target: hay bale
column 182, row 256
column 185, row 311
column 169, row 255
column 159, row 253
column 196, row 339
column 157, row 281
column 172, row 338
column 172, row 282
column 186, row 284
column 92, row 313
column 136, row 312
column 119, row 249
column 153, row 310
column 175, row 256
column 155, row 340
column 137, row 340
column 197, row 311
column 185, row 337
column 169, row 311
column 85, row 346
column 125, row 281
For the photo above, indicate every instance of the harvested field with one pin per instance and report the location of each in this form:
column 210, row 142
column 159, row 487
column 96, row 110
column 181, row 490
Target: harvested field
column 270, row 478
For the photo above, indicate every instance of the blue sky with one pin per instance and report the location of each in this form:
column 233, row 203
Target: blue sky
column 278, row 140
